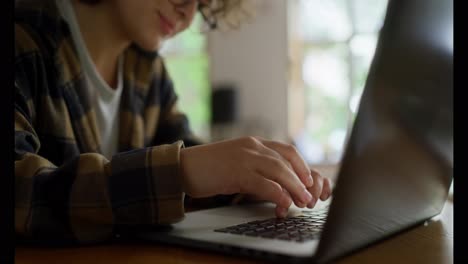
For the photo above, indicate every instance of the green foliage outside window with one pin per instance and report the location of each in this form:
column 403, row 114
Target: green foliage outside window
column 187, row 62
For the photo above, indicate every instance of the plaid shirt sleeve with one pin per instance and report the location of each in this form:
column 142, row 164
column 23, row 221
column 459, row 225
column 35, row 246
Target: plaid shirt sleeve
column 86, row 198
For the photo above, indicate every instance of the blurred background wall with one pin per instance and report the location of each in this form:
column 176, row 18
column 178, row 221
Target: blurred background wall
column 297, row 70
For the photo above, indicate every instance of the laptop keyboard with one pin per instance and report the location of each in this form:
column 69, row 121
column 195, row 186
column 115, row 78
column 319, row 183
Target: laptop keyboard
column 307, row 226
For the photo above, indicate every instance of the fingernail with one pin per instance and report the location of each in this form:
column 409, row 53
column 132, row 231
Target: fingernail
column 283, row 212
column 313, row 202
column 306, row 196
column 309, row 181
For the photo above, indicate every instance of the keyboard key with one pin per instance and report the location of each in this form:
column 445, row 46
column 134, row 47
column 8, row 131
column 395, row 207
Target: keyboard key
column 300, row 228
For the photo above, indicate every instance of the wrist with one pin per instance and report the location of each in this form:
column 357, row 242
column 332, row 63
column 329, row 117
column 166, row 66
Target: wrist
column 183, row 170
column 187, row 171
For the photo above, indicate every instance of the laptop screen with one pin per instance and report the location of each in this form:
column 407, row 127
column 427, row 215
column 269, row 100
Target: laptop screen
column 397, row 166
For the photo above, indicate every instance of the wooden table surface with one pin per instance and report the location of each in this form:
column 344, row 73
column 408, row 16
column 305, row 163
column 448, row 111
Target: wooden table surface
column 429, row 243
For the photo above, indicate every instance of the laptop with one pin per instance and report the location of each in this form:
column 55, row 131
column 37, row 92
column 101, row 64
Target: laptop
column 395, row 172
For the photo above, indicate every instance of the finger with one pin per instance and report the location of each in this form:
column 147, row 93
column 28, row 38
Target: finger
column 292, row 155
column 267, row 190
column 313, row 201
column 282, row 212
column 271, row 152
column 326, row 189
column 274, row 169
column 316, row 189
column 295, row 201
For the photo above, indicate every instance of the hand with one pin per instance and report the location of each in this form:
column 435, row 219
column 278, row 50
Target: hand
column 320, row 190
column 272, row 171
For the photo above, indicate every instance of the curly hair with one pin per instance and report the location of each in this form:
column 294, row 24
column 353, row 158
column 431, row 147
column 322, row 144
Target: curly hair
column 222, row 8
column 230, row 12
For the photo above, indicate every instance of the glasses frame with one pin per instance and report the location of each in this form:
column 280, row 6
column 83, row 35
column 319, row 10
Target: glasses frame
column 210, row 20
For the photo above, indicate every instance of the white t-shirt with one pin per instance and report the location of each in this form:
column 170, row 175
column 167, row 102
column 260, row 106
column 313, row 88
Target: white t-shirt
column 106, row 100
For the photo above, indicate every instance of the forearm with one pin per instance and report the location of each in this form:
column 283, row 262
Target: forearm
column 87, row 199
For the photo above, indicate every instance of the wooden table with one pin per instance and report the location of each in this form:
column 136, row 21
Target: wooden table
column 430, row 243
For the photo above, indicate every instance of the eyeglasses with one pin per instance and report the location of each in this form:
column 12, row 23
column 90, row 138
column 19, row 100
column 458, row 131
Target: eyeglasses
column 204, row 7
column 208, row 16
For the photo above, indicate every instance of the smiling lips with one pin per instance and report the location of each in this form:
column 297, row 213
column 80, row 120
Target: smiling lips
column 166, row 25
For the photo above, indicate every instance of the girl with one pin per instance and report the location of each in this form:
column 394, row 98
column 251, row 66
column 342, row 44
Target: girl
column 100, row 147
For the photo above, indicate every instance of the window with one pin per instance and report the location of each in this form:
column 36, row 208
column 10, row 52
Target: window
column 187, row 63
column 332, row 43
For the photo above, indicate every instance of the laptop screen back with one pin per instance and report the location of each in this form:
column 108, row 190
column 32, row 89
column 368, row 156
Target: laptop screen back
column 397, row 167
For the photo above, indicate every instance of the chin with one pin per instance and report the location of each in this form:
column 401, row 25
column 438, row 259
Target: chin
column 150, row 48
column 151, row 45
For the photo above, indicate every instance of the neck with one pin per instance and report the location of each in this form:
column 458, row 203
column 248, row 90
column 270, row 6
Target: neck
column 103, row 39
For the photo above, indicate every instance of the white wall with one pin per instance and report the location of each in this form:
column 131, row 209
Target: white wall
column 255, row 58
